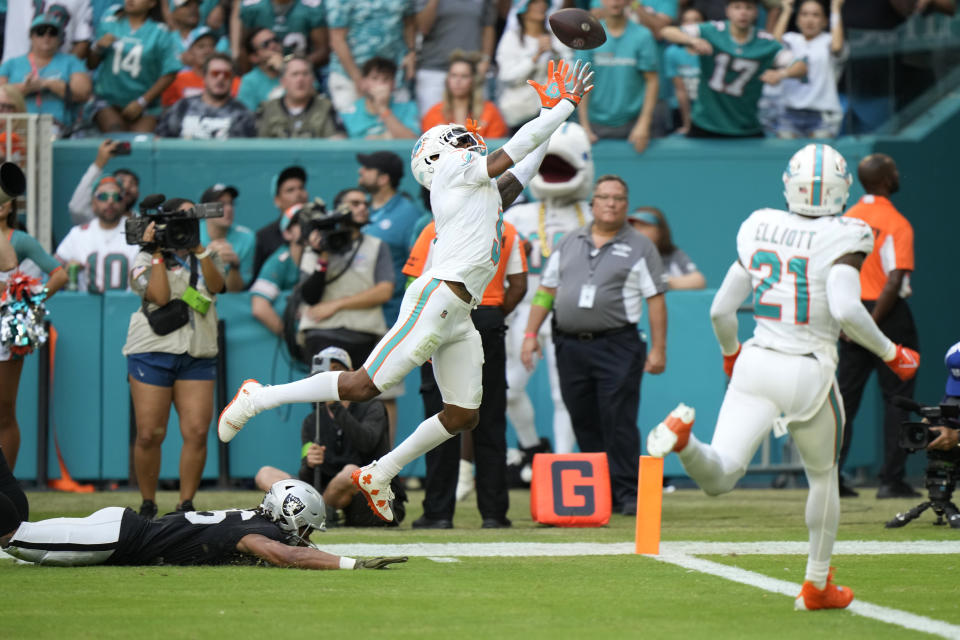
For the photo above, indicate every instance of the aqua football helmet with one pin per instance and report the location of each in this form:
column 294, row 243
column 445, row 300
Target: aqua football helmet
column 817, row 182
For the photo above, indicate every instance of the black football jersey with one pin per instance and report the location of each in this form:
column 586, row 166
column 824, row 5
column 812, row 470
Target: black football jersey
column 190, row 538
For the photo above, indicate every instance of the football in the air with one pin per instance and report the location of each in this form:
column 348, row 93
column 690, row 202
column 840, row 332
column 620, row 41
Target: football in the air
column 577, row 29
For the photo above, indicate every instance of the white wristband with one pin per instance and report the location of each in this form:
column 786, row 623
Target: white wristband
column 142, row 102
column 347, row 563
column 203, row 254
column 834, row 19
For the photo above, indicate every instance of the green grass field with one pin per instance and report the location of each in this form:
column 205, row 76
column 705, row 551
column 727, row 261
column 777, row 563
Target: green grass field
column 610, row 596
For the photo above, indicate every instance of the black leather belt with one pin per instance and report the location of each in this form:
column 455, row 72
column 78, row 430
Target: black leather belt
column 587, row 336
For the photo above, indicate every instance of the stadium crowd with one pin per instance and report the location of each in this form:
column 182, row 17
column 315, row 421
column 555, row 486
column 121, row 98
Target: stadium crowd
column 375, row 69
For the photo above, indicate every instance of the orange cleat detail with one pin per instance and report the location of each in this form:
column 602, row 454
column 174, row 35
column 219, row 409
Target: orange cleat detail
column 832, row 596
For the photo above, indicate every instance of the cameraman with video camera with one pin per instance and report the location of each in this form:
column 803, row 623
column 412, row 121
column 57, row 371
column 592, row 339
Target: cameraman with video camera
column 171, row 343
column 346, row 277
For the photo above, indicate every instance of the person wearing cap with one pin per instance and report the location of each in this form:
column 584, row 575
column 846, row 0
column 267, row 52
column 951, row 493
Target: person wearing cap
column 234, row 243
column 262, row 82
column 129, row 182
column 949, row 437
column 99, row 248
column 137, row 57
column 595, row 282
column 339, row 437
column 392, row 215
column 289, row 187
column 300, row 112
column 186, row 19
column 681, row 272
column 280, row 273
column 75, row 18
column 376, row 115
column 200, row 45
column 51, row 81
column 212, row 115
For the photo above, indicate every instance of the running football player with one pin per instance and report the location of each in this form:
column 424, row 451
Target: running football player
column 802, row 270
column 467, row 200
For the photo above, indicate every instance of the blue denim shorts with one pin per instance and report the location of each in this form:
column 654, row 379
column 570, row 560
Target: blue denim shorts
column 163, row 369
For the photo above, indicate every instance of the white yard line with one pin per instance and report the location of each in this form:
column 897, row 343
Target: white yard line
column 684, row 554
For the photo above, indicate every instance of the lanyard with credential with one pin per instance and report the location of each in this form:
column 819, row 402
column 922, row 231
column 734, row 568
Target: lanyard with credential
column 588, row 291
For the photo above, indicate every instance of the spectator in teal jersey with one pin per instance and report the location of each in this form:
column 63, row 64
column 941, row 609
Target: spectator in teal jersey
column 625, row 72
column 234, row 243
column 261, row 83
column 137, row 59
column 377, row 115
column 50, row 81
column 735, row 60
column 34, row 261
column 361, row 30
column 300, row 25
column 280, row 273
column 186, row 23
column 681, row 70
column 392, row 216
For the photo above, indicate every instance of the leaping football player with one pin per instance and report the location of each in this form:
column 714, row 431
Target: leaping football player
column 802, row 269
column 468, row 192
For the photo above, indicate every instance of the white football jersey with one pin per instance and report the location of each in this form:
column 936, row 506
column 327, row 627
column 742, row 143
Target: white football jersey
column 466, row 207
column 789, row 257
column 104, row 253
column 557, row 221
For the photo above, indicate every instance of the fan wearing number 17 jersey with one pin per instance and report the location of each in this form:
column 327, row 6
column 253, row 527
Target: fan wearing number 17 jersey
column 467, row 200
column 801, row 269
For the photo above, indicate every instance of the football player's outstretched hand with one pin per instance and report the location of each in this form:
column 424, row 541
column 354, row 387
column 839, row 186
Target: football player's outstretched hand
column 905, row 363
column 550, row 92
column 576, row 82
column 378, row 563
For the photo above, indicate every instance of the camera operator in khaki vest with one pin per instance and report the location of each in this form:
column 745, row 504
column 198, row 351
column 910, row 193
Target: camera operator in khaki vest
column 348, row 277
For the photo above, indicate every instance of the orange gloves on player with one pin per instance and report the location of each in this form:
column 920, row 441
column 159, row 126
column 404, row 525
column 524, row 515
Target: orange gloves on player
column 905, row 363
column 728, row 361
column 556, row 89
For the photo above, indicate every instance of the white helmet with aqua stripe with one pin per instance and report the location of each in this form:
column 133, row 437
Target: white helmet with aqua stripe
column 817, row 182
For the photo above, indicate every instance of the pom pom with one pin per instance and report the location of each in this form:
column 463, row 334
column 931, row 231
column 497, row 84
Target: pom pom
column 22, row 314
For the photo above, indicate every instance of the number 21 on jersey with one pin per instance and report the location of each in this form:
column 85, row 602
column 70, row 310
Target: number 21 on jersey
column 772, row 270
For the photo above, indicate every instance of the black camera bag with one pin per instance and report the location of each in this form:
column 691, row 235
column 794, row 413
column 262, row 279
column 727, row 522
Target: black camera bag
column 174, row 314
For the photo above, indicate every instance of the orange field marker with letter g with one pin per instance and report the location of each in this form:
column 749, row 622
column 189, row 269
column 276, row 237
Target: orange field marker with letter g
column 649, row 504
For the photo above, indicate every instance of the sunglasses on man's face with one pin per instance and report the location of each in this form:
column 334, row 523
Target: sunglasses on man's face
column 220, row 74
column 269, row 41
column 105, row 196
column 46, row 31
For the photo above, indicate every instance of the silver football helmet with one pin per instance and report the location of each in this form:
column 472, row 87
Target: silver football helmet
column 438, row 140
column 293, row 505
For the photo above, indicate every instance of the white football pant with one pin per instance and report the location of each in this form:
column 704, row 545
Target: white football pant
column 765, row 385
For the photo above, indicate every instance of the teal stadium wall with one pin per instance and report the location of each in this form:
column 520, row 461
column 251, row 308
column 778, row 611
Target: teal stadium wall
column 705, row 188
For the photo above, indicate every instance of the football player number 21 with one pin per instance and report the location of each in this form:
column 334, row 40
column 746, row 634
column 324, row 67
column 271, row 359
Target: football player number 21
column 796, row 269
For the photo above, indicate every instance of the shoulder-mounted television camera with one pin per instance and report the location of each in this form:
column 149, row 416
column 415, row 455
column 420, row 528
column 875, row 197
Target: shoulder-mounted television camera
column 174, row 228
column 336, row 227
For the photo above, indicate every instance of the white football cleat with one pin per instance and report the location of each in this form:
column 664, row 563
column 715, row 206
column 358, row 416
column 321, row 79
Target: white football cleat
column 673, row 433
column 376, row 489
column 240, row 409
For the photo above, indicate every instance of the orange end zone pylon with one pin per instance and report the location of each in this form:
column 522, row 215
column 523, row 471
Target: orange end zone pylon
column 649, row 504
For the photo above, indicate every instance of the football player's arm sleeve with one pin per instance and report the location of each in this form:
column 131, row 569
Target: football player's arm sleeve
column 529, row 137
column 843, row 298
column 281, row 555
column 81, row 209
column 723, row 311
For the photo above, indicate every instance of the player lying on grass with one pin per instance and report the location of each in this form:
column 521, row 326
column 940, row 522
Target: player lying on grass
column 467, row 200
column 276, row 532
column 802, row 270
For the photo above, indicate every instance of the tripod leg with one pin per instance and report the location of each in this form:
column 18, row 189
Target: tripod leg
column 901, row 519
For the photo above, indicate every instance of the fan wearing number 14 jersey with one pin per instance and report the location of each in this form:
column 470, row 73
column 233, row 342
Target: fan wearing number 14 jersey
column 802, row 271
column 468, row 191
